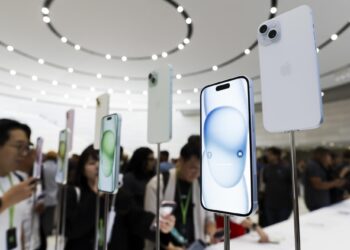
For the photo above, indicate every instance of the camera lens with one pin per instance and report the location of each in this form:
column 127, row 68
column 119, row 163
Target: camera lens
column 150, row 76
column 153, row 80
column 272, row 34
column 263, row 29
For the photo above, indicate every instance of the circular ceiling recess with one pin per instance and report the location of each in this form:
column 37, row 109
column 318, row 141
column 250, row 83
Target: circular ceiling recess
column 46, row 11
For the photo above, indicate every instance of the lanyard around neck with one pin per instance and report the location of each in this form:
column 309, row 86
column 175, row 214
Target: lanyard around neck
column 184, row 206
column 11, row 209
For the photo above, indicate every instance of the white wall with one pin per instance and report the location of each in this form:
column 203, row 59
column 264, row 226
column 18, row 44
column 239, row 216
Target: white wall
column 47, row 120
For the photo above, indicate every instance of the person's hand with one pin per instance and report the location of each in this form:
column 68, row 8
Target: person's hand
column 172, row 247
column 19, row 192
column 247, row 223
column 339, row 183
column 167, row 223
column 263, row 237
column 344, row 172
column 39, row 208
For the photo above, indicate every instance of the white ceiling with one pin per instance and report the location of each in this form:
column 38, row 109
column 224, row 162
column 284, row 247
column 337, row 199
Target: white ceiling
column 222, row 29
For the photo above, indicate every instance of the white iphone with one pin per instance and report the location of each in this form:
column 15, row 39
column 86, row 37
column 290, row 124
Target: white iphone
column 160, row 100
column 38, row 158
column 62, row 157
column 108, row 173
column 102, row 109
column 290, row 86
column 228, row 164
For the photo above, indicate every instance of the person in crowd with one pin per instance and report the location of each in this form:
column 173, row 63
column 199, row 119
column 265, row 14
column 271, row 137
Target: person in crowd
column 165, row 165
column 181, row 185
column 50, row 191
column 14, row 147
column 317, row 182
column 261, row 163
column 81, row 211
column 141, row 168
column 340, row 169
column 278, row 188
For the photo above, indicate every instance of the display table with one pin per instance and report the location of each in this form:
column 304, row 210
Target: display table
column 324, row 229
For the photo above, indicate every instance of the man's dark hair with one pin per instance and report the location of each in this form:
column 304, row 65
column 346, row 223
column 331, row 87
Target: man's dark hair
column 319, row 152
column 6, row 125
column 165, row 153
column 275, row 151
column 346, row 154
column 190, row 150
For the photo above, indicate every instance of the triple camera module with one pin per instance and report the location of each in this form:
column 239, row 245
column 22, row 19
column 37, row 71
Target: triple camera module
column 269, row 33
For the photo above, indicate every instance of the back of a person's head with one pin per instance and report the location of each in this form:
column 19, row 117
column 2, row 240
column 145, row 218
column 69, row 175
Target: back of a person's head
column 164, row 153
column 346, row 155
column 138, row 161
column 7, row 125
column 194, row 140
column 319, row 152
column 51, row 156
column 275, row 151
column 189, row 150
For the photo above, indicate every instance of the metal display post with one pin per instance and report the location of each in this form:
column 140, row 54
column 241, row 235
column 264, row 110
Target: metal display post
column 295, row 191
column 158, row 200
column 61, row 215
column 105, row 243
column 227, row 232
column 97, row 220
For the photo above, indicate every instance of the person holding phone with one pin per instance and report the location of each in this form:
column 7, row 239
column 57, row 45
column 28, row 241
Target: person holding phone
column 14, row 147
column 192, row 221
column 81, row 210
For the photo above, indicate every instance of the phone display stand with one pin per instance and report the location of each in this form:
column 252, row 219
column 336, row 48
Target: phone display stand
column 227, row 232
column 105, row 219
column 61, row 218
column 295, row 191
column 158, row 199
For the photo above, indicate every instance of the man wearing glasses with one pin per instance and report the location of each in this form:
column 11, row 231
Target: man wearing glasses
column 14, row 147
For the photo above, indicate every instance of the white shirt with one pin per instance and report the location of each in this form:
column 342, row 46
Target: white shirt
column 19, row 212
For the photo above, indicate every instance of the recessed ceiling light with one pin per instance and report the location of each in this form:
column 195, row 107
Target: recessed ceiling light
column 178, row 76
column 43, row 92
column 317, row 50
column 188, row 101
column 108, row 57
column 187, row 41
column 41, row 61
column 77, row 47
column 273, row 10
column 92, row 89
column 124, row 58
column 128, row 92
column 334, row 37
column 247, row 51
column 74, row 86
column 45, row 10
column 154, row 57
column 215, row 68
column 322, row 94
column 66, row 96
column 110, row 91
column 179, row 91
column 10, row 48
column 64, row 39
column 188, row 20
column 18, row 87
column 34, row 78
column 126, row 78
column 180, row 9
column 164, row 54
column 33, row 99
column 54, row 83
column 99, row 76
column 181, row 46
column 195, row 90
column 46, row 19
column 144, row 92
column 13, row 72
column 70, row 70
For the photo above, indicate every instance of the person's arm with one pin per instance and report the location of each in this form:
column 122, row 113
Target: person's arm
column 249, row 224
column 317, row 183
column 17, row 193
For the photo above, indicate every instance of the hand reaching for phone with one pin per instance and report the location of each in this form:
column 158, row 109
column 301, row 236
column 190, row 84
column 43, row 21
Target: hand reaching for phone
column 167, row 223
column 18, row 192
column 172, row 247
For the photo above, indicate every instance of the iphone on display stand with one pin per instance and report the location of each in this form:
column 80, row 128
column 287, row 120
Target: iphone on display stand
column 38, row 159
column 228, row 164
column 62, row 157
column 108, row 175
column 290, row 85
column 159, row 125
column 102, row 109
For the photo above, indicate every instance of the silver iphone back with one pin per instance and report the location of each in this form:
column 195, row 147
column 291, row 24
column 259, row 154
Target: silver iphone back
column 291, row 94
